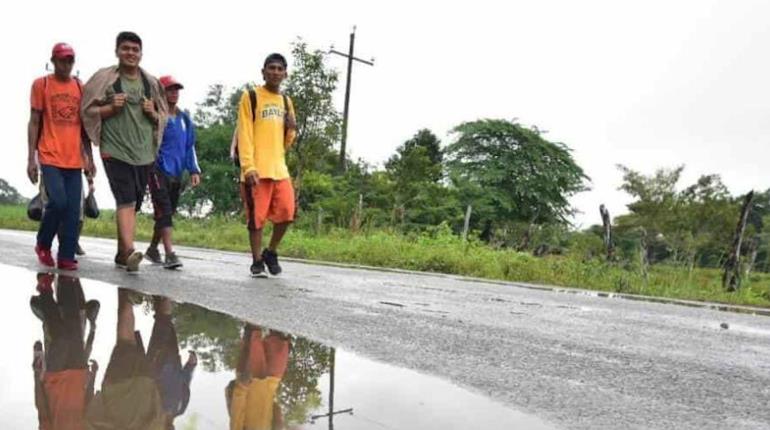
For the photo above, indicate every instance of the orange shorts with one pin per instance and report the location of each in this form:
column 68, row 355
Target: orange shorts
column 268, row 200
column 268, row 356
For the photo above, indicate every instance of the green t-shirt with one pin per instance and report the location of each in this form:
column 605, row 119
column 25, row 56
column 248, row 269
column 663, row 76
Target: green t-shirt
column 129, row 135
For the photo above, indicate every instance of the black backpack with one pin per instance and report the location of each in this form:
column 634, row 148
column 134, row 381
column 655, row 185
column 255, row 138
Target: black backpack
column 253, row 103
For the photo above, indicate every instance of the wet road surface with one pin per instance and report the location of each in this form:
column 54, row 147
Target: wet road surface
column 572, row 361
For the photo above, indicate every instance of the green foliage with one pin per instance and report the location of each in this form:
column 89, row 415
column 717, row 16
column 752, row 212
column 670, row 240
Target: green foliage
column 218, row 191
column 9, row 195
column 510, row 173
column 691, row 226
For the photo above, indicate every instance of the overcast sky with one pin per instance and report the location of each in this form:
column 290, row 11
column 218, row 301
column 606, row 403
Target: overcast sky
column 646, row 84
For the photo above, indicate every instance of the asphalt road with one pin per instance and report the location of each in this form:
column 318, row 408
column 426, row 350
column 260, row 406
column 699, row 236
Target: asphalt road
column 574, row 360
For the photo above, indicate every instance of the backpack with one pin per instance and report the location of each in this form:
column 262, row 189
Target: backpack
column 117, row 86
column 253, row 103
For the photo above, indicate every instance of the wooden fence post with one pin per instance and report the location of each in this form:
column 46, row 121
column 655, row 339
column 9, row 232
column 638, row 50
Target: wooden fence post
column 607, row 222
column 467, row 223
column 731, row 281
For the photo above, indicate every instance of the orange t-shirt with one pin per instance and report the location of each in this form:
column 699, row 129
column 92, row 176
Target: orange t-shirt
column 66, row 392
column 59, row 143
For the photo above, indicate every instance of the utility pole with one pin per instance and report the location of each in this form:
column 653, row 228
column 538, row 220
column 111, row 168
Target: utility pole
column 332, row 412
column 351, row 57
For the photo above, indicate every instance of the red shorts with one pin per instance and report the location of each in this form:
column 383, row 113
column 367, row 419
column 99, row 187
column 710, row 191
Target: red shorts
column 268, row 200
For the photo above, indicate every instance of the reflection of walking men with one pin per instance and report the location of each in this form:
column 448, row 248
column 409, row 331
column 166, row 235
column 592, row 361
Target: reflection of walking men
column 64, row 382
column 172, row 378
column 129, row 398
column 251, row 397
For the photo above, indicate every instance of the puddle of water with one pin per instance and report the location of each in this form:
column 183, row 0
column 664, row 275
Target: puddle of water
column 153, row 362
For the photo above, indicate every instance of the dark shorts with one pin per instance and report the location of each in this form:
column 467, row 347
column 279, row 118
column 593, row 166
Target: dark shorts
column 127, row 361
column 165, row 191
column 127, row 182
column 164, row 346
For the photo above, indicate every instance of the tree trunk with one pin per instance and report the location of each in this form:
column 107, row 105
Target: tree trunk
column 752, row 255
column 731, row 281
column 607, row 222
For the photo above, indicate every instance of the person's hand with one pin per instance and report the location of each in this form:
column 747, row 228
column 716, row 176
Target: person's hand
column 252, row 178
column 192, row 358
column 195, row 179
column 118, row 102
column 148, row 107
column 32, row 171
column 91, row 188
column 90, row 169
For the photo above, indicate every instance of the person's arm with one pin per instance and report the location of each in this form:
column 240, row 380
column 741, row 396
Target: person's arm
column 33, row 129
column 246, row 139
column 191, row 157
column 88, row 155
column 33, row 132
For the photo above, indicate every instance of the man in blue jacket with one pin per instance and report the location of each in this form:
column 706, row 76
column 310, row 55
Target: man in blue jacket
column 176, row 154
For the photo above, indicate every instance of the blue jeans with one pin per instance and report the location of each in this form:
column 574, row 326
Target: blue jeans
column 64, row 188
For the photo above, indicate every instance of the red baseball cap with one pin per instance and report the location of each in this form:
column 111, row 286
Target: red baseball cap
column 168, row 81
column 62, row 50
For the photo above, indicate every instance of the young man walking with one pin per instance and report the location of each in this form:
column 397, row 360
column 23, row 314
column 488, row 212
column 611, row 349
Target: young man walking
column 266, row 129
column 177, row 154
column 56, row 141
column 124, row 112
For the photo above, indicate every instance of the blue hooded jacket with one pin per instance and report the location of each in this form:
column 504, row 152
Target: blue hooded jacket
column 177, row 151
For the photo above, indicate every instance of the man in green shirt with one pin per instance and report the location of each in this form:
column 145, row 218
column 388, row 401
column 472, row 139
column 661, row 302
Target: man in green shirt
column 124, row 112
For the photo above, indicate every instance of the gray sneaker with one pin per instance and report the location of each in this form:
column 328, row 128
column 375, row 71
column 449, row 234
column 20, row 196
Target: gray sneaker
column 172, row 261
column 153, row 255
column 132, row 261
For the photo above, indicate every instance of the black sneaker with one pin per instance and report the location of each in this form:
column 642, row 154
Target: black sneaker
column 172, row 262
column 153, row 255
column 120, row 261
column 37, row 307
column 258, row 270
column 79, row 250
column 271, row 260
column 92, row 311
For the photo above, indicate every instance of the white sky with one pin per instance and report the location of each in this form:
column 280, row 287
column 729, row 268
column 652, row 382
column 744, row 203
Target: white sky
column 647, row 84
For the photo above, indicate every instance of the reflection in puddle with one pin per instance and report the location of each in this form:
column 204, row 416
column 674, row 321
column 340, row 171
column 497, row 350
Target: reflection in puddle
column 156, row 364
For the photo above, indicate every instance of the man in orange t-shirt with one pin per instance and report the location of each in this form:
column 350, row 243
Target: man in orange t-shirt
column 56, row 142
column 64, row 380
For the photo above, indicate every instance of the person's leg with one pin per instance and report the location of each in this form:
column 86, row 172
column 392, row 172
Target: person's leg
column 126, row 323
column 158, row 184
column 255, row 240
column 55, row 207
column 255, row 207
column 126, row 221
column 277, row 354
column 281, row 213
column 279, row 230
column 73, row 187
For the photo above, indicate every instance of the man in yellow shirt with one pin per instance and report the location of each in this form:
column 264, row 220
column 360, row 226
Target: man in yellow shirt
column 266, row 129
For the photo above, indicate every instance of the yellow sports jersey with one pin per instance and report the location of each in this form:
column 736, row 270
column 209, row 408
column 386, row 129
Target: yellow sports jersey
column 251, row 406
column 261, row 143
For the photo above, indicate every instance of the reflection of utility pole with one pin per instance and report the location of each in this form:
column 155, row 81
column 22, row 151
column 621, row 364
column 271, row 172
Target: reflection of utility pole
column 331, row 412
column 350, row 58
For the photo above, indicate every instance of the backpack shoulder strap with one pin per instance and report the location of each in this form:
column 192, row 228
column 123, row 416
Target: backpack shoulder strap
column 79, row 84
column 146, row 85
column 253, row 100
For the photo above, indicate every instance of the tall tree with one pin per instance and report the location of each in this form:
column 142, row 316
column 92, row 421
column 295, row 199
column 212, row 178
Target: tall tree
column 311, row 85
column 510, row 173
column 8, row 194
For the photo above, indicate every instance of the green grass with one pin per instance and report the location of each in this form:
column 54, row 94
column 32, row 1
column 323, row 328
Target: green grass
column 444, row 253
